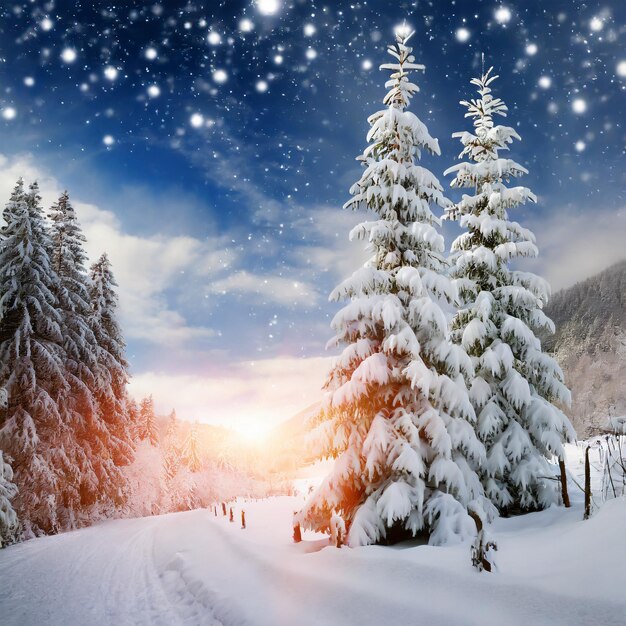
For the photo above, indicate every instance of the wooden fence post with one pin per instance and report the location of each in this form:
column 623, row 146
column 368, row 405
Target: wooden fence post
column 243, row 518
column 231, row 517
column 297, row 531
column 564, row 493
column 587, row 485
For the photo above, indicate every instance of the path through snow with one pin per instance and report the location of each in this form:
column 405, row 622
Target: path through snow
column 193, row 568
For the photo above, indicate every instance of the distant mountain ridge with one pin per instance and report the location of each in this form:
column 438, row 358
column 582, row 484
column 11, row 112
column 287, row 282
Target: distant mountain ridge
column 590, row 345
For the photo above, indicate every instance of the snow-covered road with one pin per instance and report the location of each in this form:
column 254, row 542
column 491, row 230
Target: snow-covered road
column 193, row 568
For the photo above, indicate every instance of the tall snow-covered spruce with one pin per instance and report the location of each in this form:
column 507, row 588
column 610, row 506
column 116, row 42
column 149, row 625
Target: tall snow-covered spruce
column 396, row 416
column 35, row 432
column 80, row 349
column 112, row 396
column 501, row 314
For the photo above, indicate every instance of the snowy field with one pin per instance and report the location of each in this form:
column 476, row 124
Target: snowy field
column 194, row 568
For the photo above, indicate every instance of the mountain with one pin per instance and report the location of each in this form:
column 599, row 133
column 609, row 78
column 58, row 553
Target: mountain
column 287, row 446
column 590, row 345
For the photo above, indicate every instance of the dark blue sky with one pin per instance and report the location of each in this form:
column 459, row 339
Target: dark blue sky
column 229, row 130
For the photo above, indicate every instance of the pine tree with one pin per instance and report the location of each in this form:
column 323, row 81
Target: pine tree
column 396, row 416
column 171, row 461
column 81, row 351
column 8, row 491
column 148, row 421
column 34, row 432
column 111, row 396
column 190, row 451
column 516, row 383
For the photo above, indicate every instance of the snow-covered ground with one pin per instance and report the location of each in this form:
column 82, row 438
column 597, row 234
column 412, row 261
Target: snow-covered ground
column 194, row 568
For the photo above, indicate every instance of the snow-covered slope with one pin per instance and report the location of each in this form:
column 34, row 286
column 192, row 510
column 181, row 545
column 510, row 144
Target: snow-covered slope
column 590, row 345
column 194, row 568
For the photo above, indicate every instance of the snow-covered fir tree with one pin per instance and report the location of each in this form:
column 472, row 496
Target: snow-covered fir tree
column 515, row 382
column 150, row 431
column 112, row 397
column 35, row 432
column 97, row 472
column 396, row 416
column 171, row 460
column 190, row 453
column 8, row 491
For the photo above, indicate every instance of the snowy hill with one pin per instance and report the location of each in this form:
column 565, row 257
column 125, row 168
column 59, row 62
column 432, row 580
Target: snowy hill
column 590, row 344
column 286, row 447
column 194, row 568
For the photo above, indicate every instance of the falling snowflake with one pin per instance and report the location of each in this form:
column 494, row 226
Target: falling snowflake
column 503, row 15
column 196, row 120
column 220, row 76
column 69, row 55
column 462, row 34
column 110, row 72
column 9, row 113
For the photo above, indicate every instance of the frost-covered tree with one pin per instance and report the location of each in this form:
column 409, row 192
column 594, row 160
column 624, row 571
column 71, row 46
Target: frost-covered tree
column 80, row 352
column 396, row 416
column 190, row 453
column 171, row 459
column 501, row 315
column 8, row 491
column 111, row 396
column 149, row 430
column 34, row 433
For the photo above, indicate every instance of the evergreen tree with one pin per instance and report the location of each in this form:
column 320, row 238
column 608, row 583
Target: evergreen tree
column 8, row 491
column 34, row 432
column 80, row 350
column 134, row 419
column 148, row 421
column 397, row 416
column 111, row 395
column 516, row 383
column 190, row 451
column 171, row 461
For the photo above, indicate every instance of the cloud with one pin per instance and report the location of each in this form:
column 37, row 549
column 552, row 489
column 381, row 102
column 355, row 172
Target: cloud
column 149, row 270
column 574, row 246
column 267, row 288
column 267, row 391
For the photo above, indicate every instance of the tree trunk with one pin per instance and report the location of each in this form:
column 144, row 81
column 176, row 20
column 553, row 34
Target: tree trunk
column 297, row 533
column 564, row 493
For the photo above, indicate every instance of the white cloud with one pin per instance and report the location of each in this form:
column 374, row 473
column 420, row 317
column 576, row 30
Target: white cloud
column 145, row 267
column 332, row 251
column 266, row 391
column 267, row 288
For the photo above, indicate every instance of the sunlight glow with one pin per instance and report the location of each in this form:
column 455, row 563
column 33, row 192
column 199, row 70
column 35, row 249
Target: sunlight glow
column 253, row 432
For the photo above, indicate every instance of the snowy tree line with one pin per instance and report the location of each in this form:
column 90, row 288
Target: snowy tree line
column 69, row 430
column 440, row 411
column 66, row 430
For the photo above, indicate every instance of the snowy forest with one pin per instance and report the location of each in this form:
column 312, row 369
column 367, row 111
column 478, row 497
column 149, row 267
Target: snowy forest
column 468, row 441
column 75, row 447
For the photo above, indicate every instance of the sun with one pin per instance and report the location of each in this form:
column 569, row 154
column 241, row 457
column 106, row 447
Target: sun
column 253, row 432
